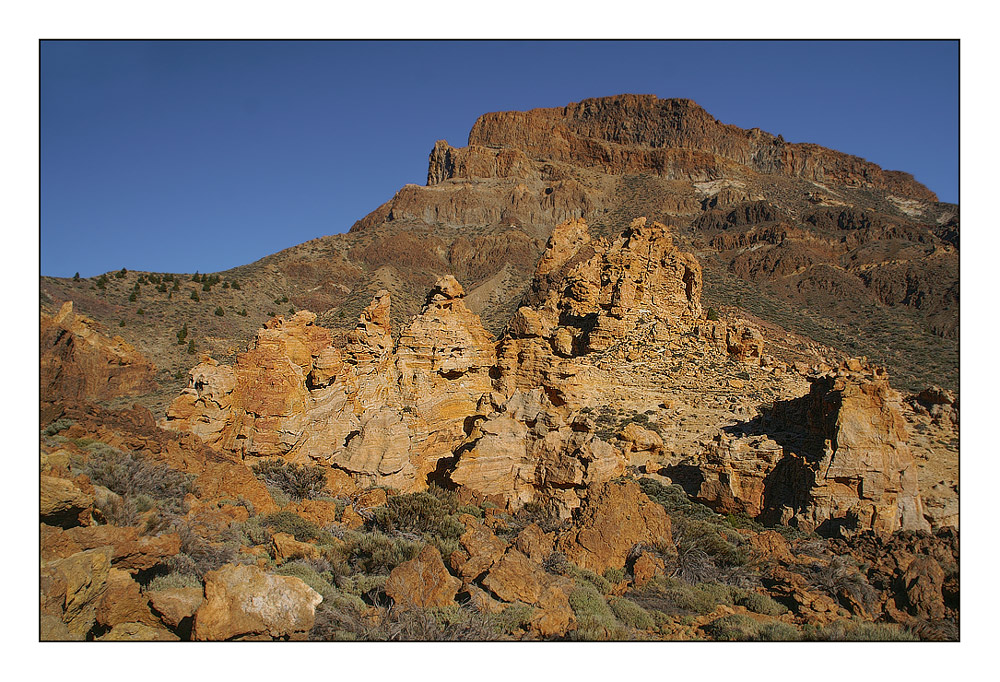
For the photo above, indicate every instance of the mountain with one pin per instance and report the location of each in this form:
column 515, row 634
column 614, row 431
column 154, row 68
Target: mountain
column 824, row 244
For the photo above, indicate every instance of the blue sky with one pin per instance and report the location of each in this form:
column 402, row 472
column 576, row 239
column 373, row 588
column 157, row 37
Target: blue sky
column 184, row 156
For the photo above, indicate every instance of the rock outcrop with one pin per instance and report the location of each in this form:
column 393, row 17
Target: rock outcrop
column 79, row 361
column 384, row 413
column 835, row 460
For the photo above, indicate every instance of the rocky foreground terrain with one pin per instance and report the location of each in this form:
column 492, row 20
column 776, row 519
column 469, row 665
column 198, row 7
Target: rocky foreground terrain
column 593, row 447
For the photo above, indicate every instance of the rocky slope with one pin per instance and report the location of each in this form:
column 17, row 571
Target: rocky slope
column 822, row 243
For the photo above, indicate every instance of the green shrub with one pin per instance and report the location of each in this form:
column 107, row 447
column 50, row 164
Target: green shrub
column 594, row 619
column 131, row 475
column 513, row 618
column 376, row 553
column 712, row 315
column 57, row 426
column 172, row 580
column 859, row 631
column 219, row 311
column 614, row 575
column 290, row 522
column 308, row 575
column 735, row 627
column 760, row 603
column 420, row 512
column 298, row 481
column 776, row 631
column 194, row 296
column 631, row 614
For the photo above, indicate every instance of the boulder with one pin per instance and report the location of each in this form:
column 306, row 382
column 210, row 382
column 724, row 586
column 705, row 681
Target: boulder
column 175, row 604
column 61, row 502
column 422, row 582
column 246, row 602
column 615, row 518
column 71, row 590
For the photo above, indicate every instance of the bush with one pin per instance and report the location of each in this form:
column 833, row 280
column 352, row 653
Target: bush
column 859, row 631
column 377, row 553
column 194, row 296
column 131, row 475
column 190, row 350
column 290, row 522
column 760, row 603
column 594, row 618
column 57, row 426
column 631, row 614
column 172, row 580
column 712, row 315
column 298, row 481
column 735, row 627
column 421, row 512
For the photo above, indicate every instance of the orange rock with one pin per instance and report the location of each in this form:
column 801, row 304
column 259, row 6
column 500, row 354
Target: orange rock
column 124, row 602
column 646, row 567
column 286, row 548
column 534, row 543
column 615, row 517
column 422, row 582
column 246, row 602
column 175, row 604
column 79, row 361
column 517, row 578
column 553, row 615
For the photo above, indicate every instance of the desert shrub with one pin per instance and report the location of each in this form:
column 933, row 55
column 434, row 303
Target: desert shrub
column 439, row 624
column 760, row 603
column 131, row 475
column 292, row 523
column 513, row 618
column 842, row 577
column 57, row 426
column 735, row 627
column 169, row 581
column 712, row 315
column 420, row 513
column 594, row 619
column 858, row 631
column 377, row 553
column 675, row 500
column 614, row 575
column 208, row 556
column 298, row 481
column 675, row 597
column 219, row 311
column 776, row 631
column 631, row 614
column 307, row 574
column 558, row 564
column 194, row 296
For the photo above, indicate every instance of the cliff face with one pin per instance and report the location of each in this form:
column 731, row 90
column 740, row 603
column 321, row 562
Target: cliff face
column 641, row 133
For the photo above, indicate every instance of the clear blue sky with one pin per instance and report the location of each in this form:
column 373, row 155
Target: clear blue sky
column 191, row 155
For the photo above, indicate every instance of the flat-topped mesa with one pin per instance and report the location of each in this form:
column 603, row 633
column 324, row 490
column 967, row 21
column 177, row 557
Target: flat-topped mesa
column 79, row 361
column 641, row 133
column 835, row 460
column 587, row 296
column 384, row 416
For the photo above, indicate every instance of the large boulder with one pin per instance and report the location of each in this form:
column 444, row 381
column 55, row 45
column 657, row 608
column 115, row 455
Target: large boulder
column 71, row 590
column 244, row 602
column 615, row 518
column 422, row 582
